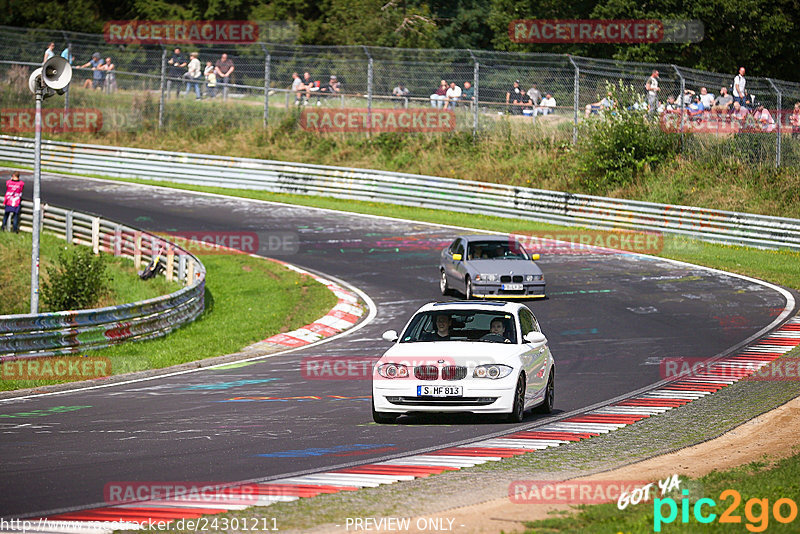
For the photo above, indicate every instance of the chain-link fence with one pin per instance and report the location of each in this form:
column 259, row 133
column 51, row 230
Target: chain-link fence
column 526, row 95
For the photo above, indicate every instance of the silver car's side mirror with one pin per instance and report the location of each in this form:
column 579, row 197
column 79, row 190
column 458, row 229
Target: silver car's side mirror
column 535, row 338
column 390, row 336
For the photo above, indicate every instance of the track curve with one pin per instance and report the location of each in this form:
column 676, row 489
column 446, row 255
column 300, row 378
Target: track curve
column 609, row 319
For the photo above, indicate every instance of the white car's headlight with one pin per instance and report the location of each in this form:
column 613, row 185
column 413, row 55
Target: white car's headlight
column 393, row 370
column 486, row 278
column 492, row 371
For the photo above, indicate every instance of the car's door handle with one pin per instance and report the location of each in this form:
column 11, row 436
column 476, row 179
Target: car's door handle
column 541, row 350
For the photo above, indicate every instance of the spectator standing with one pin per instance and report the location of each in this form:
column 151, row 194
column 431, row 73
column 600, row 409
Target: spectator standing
column 452, row 96
column 468, row 94
column 13, row 201
column 176, row 65
column 111, row 76
column 438, row 97
column 98, row 75
column 193, row 73
column 400, row 94
column 514, row 91
column 67, row 55
column 722, row 104
column 535, row 94
column 546, row 106
column 224, row 69
column 49, row 52
column 652, row 91
column 211, row 80
column 739, row 87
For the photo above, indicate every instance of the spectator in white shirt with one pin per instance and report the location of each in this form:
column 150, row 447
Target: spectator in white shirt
column 739, row 91
column 546, row 106
column 706, row 98
column 452, row 95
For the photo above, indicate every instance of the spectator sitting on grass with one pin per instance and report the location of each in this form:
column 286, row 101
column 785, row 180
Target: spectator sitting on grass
column 546, row 106
column 722, row 104
column 695, row 109
column 764, row 119
column 297, row 87
column 596, row 107
column 739, row 114
column 669, row 106
column 706, row 98
column 794, row 120
column 333, row 87
column 310, row 86
column 535, row 94
column 514, row 91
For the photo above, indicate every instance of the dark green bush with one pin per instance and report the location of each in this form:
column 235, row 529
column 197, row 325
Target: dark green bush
column 617, row 145
column 77, row 281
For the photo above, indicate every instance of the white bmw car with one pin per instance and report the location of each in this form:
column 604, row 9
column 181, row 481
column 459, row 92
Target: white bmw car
column 468, row 356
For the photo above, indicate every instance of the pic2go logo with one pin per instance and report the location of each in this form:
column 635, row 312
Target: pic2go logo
column 756, row 511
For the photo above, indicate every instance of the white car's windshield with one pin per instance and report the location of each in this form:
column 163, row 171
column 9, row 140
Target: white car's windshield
column 461, row 325
column 496, row 250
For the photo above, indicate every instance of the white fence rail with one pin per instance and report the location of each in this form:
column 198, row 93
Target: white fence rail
column 411, row 190
column 48, row 334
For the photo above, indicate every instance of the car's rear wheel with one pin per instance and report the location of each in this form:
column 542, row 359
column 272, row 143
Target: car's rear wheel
column 443, row 284
column 518, row 408
column 549, row 396
column 382, row 418
column 468, row 291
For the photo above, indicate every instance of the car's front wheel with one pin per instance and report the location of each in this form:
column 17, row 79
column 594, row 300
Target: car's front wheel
column 382, row 418
column 518, row 408
column 468, row 290
column 549, row 396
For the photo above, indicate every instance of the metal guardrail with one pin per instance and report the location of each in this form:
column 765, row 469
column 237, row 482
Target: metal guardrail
column 411, row 190
column 65, row 332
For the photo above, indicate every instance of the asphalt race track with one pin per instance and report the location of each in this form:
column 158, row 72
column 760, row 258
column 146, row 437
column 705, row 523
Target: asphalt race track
column 609, row 319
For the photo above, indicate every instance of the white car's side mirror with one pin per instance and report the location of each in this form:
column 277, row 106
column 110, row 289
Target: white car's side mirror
column 390, row 336
column 535, row 338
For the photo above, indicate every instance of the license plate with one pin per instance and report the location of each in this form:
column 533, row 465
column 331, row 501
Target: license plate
column 440, row 391
column 512, row 287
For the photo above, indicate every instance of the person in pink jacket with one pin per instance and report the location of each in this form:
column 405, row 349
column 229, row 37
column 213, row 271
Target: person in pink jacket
column 12, row 201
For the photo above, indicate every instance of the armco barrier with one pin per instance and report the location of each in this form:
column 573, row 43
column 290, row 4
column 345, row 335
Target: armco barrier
column 47, row 334
column 411, row 190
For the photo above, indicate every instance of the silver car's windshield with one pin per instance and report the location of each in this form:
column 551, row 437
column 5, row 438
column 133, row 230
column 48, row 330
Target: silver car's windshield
column 491, row 250
column 461, row 325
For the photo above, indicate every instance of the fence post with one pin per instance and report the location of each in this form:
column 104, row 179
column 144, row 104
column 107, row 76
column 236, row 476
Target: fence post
column 778, row 113
column 96, row 235
column 163, row 87
column 69, row 56
column 68, row 227
column 575, row 104
column 475, row 76
column 369, row 89
column 683, row 103
column 137, row 250
column 170, row 261
column 267, row 59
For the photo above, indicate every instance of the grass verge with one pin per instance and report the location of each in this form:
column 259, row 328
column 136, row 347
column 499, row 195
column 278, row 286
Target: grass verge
column 15, row 250
column 266, row 299
column 759, row 486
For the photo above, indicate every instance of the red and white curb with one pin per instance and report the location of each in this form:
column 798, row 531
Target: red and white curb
column 601, row 420
column 347, row 312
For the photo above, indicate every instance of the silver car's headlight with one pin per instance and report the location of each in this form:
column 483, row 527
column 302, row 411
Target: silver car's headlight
column 393, row 370
column 492, row 371
column 486, row 278
column 533, row 277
